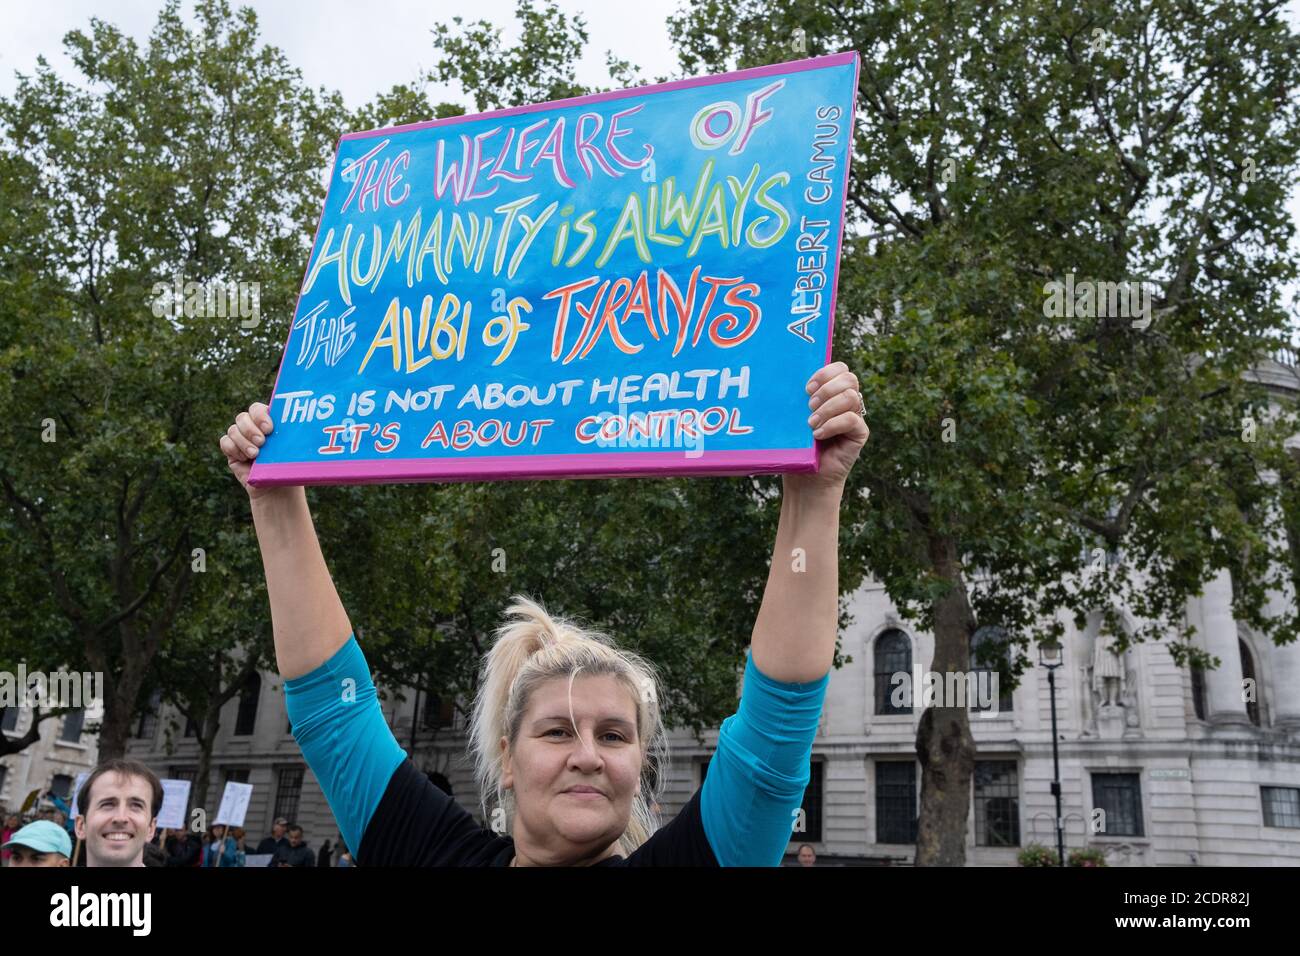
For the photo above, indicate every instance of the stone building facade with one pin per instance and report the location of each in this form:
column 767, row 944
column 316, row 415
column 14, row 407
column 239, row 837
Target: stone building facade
column 54, row 761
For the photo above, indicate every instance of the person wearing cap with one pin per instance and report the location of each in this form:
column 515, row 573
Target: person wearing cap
column 40, row 843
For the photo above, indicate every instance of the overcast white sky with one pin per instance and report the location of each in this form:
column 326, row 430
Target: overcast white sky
column 358, row 48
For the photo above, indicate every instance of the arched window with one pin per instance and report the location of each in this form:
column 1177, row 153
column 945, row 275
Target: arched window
column 989, row 646
column 893, row 655
column 246, row 719
column 1250, row 685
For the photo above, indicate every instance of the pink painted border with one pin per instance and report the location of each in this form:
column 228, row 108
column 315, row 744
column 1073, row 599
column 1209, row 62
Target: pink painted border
column 614, row 464
column 619, row 465
column 839, row 240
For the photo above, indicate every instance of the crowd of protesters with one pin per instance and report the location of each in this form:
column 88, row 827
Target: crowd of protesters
column 117, row 825
column 119, row 805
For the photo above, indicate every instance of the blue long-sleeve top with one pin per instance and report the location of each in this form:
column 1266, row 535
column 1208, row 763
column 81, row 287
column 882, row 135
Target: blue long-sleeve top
column 229, row 853
column 389, row 813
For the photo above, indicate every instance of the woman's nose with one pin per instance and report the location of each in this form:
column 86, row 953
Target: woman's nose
column 584, row 751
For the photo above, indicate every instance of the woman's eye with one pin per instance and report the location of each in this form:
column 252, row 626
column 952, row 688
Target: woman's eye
column 561, row 730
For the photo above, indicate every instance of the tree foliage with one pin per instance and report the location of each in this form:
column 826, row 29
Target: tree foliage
column 194, row 157
column 1000, row 148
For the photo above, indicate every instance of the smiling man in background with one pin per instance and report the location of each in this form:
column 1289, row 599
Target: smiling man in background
column 119, row 805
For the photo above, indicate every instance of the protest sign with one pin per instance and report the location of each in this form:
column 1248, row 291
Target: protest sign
column 176, row 797
column 637, row 282
column 234, row 804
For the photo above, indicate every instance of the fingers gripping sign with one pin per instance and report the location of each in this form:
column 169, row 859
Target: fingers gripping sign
column 242, row 440
column 838, row 420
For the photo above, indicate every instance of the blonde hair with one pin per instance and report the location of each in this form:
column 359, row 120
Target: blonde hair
column 533, row 647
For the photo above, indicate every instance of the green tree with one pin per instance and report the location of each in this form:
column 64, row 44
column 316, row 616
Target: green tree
column 216, row 645
column 195, row 157
column 31, row 616
column 540, row 67
column 998, row 148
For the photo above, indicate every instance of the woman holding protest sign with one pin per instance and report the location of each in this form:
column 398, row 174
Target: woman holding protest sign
column 566, row 730
column 220, row 849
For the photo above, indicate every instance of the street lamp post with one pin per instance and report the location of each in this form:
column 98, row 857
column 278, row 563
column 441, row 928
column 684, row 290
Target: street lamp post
column 1049, row 655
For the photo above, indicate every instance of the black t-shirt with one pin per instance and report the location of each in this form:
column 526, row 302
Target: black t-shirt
column 416, row 824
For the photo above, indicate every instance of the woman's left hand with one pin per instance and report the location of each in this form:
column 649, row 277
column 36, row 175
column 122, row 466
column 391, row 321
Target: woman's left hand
column 835, row 405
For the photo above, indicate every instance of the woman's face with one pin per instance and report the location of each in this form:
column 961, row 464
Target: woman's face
column 554, row 822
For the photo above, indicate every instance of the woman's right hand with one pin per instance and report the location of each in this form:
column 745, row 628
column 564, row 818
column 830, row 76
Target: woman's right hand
column 241, row 442
column 309, row 622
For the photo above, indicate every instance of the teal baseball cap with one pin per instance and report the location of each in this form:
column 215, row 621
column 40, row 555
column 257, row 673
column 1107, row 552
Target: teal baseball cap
column 43, row 836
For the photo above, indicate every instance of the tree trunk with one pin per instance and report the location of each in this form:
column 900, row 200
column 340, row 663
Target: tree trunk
column 114, row 729
column 943, row 741
column 207, row 741
column 136, row 651
column 121, row 689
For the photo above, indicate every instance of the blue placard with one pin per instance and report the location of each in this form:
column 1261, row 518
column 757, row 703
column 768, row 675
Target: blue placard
column 637, row 282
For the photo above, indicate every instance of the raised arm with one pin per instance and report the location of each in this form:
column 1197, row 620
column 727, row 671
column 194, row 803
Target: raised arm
column 332, row 703
column 756, row 779
column 794, row 635
column 307, row 617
